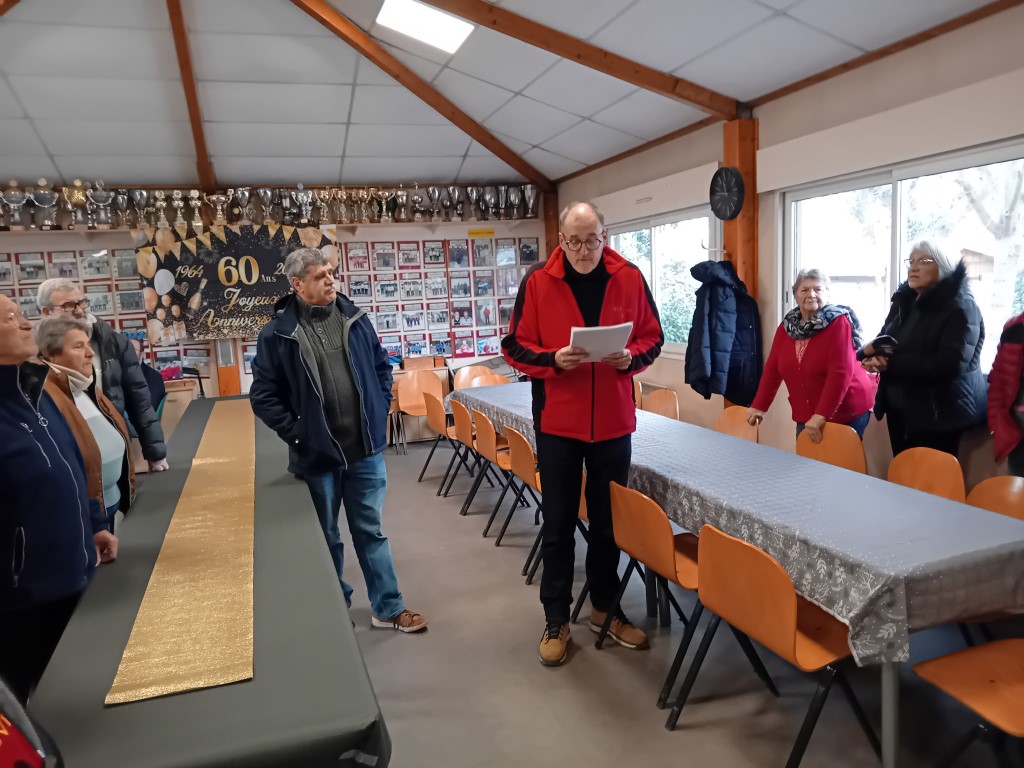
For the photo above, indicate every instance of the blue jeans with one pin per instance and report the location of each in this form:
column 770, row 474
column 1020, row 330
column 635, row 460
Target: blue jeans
column 361, row 489
column 859, row 424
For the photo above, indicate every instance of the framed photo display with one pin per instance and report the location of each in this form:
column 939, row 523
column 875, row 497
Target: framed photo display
column 409, row 256
column 6, row 269
column 529, row 251
column 458, row 254
column 357, row 259
column 483, row 253
column 433, row 254
column 31, row 269
column 505, row 252
column 65, row 264
column 384, row 259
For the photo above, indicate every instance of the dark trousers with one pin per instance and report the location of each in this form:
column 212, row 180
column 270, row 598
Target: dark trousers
column 901, row 438
column 561, row 461
column 1015, row 461
column 27, row 641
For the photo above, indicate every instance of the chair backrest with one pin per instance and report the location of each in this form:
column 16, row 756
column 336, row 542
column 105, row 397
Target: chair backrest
column 413, row 384
column 489, row 380
column 733, row 421
column 929, row 470
column 437, row 420
column 663, row 402
column 1004, row 494
column 749, row 589
column 463, row 423
column 465, row 375
column 840, row 446
column 486, row 436
column 584, row 515
column 638, row 394
column 642, row 530
column 521, row 457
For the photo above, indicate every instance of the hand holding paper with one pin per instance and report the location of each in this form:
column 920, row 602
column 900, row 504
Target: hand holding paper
column 601, row 341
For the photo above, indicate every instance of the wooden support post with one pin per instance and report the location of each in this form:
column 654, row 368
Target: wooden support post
column 550, row 208
column 740, row 234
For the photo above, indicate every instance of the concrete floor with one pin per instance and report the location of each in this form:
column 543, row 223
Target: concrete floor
column 470, row 693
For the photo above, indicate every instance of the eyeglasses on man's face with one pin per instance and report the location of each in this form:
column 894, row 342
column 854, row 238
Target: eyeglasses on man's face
column 71, row 306
column 922, row 262
column 574, row 243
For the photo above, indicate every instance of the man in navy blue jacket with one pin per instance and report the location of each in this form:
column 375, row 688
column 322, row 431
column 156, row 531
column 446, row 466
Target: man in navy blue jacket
column 51, row 534
column 322, row 381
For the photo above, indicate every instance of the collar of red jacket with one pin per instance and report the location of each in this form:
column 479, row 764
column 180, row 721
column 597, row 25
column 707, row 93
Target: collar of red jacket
column 555, row 265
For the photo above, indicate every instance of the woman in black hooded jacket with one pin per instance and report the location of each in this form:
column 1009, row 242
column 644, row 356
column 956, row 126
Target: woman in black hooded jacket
column 931, row 388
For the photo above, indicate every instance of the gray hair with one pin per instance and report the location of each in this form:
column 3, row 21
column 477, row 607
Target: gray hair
column 48, row 287
column 299, row 261
column 943, row 256
column 51, row 331
column 565, row 212
column 811, row 274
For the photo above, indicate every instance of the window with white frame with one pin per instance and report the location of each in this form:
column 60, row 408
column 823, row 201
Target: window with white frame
column 859, row 231
column 665, row 249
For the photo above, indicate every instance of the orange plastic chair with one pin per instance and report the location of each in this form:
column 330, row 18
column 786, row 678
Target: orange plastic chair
column 411, row 388
column 663, row 402
column 929, row 470
column 1004, row 494
column 748, row 589
column 733, row 421
column 489, row 380
column 840, row 446
column 638, row 394
column 437, row 420
column 465, row 375
column 987, row 679
column 464, row 437
column 495, row 450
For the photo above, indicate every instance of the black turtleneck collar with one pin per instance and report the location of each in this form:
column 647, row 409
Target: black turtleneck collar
column 314, row 311
column 27, row 378
column 588, row 290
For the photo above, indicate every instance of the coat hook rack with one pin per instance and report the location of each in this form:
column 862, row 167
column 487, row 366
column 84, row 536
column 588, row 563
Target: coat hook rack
column 714, row 250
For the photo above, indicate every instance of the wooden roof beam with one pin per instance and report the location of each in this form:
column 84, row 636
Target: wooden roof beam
column 337, row 23
column 6, row 5
column 572, row 48
column 204, row 167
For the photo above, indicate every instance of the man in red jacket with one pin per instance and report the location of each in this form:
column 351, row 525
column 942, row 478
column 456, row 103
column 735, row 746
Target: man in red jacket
column 583, row 411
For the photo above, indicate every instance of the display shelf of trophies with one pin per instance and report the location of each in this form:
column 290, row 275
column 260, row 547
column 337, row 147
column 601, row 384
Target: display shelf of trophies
column 85, row 207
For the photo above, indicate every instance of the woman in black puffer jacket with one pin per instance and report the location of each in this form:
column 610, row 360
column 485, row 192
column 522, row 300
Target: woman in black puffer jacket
column 931, row 387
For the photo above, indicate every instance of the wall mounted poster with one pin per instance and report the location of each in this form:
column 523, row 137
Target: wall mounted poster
column 458, row 254
column 384, row 259
column 441, row 344
column 31, row 268
column 95, row 265
column 65, row 264
column 126, row 267
column 465, row 344
column 433, row 254
column 529, row 251
column 6, row 269
column 409, row 255
column 505, row 252
column 488, row 343
column 435, row 286
column 357, row 257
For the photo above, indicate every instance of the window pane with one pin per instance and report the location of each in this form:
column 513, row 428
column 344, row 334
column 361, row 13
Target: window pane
column 848, row 236
column 634, row 246
column 978, row 212
column 677, row 247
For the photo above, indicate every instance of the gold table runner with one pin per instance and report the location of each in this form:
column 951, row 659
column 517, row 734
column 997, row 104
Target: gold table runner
column 194, row 627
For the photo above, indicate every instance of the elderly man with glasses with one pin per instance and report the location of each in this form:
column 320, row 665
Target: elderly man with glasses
column 117, row 367
column 584, row 414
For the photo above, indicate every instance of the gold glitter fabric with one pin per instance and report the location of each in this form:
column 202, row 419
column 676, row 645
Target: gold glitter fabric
column 194, row 627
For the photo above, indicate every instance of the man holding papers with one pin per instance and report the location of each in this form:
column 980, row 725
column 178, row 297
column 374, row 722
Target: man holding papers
column 583, row 407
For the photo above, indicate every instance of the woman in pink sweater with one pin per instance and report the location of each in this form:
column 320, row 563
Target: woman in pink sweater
column 815, row 353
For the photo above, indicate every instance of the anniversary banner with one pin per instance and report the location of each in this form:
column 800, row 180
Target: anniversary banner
column 216, row 282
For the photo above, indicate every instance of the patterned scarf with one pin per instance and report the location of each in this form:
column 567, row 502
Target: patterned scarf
column 798, row 328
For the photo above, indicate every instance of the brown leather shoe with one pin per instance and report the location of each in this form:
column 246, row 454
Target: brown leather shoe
column 554, row 644
column 621, row 631
column 406, row 621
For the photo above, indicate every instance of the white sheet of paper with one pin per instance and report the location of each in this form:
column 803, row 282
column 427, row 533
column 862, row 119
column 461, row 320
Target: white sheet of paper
column 601, row 341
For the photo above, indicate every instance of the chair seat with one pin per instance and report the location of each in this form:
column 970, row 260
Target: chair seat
column 414, row 410
column 987, row 678
column 505, row 461
column 821, row 639
column 686, row 560
column 502, row 442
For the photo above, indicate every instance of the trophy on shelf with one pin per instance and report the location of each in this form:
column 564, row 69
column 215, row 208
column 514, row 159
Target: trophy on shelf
column 401, row 204
column 530, row 198
column 178, row 203
column 140, row 199
column 98, row 207
column 160, row 203
column 376, row 211
column 195, row 202
column 120, row 207
column 434, row 196
column 416, row 198
column 266, row 197
column 283, row 198
column 384, row 199
column 446, row 206
column 14, row 198
column 323, row 203
column 363, row 198
column 241, row 196
column 515, row 197
column 341, row 195
column 219, row 203
column 455, row 200
column 304, row 199
column 46, row 200
column 490, row 205
column 75, row 203
column 473, row 194
column 502, row 201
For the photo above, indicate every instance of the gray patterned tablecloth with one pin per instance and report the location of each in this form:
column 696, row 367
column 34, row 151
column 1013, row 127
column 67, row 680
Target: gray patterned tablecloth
column 884, row 559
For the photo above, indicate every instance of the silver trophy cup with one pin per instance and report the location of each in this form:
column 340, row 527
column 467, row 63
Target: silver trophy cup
column 100, row 200
column 455, row 199
column 304, row 199
column 515, row 198
column 219, row 203
column 160, row 203
column 502, row 201
column 341, row 195
column 242, row 195
column 140, row 198
column 120, row 208
column 401, row 204
column 530, row 198
column 265, row 196
column 490, row 203
column 473, row 194
column 14, row 198
column 46, row 200
column 434, row 195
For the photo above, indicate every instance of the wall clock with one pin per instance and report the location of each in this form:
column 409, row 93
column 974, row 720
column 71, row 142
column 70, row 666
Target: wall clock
column 727, row 192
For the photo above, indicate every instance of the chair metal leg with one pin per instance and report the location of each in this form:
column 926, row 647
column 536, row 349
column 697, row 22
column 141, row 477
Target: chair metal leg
column 986, row 633
column 451, row 480
column 691, row 673
column 472, row 493
column 755, row 661
column 615, row 606
column 580, row 601
column 811, row 718
column 534, row 552
column 509, row 482
column 997, row 740
column 536, row 561
column 652, row 593
column 444, row 479
column 504, row 526
column 677, row 662
column 429, row 457
column 661, row 586
column 961, row 745
column 859, row 713
column 965, row 632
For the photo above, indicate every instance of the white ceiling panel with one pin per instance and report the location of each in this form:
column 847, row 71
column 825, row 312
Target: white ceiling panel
column 579, row 18
column 362, row 12
column 261, row 17
column 577, row 89
column 370, row 74
column 500, row 60
column 648, row 115
column 529, row 120
column 290, row 58
column 97, row 53
column 18, row 138
column 275, row 139
column 399, row 170
column 425, row 68
column 392, row 105
column 242, row 171
column 406, row 141
column 143, row 169
column 483, row 169
column 274, row 102
column 551, row 165
column 773, row 54
column 779, row 5
column 405, row 44
column 95, row 13
column 116, row 137
column 666, row 33
column 872, row 24
column 58, row 97
column 474, row 97
column 589, row 142
column 477, row 149
column 8, row 104
column 27, row 169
